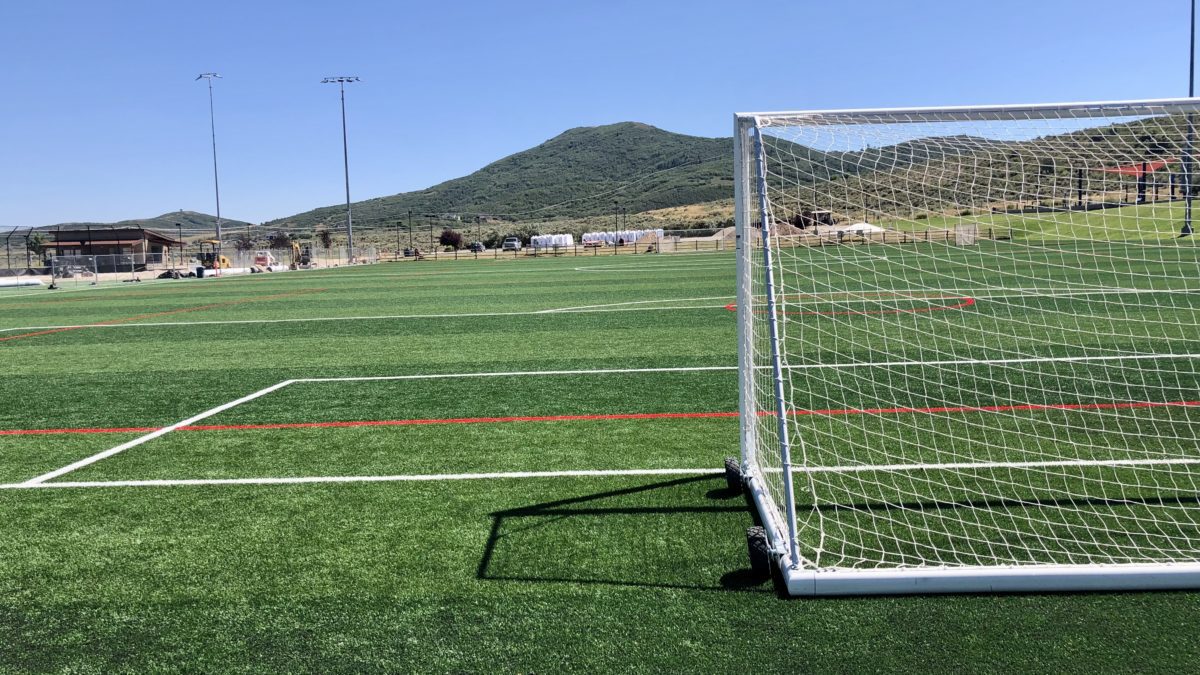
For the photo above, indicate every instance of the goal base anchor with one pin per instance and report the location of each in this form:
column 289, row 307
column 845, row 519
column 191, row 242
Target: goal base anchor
column 1026, row 579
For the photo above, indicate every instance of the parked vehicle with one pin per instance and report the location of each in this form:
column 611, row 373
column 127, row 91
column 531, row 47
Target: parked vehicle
column 511, row 244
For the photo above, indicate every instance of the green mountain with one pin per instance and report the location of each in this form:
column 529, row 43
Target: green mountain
column 190, row 223
column 578, row 173
column 958, row 175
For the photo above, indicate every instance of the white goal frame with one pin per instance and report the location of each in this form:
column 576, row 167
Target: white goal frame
column 778, row 512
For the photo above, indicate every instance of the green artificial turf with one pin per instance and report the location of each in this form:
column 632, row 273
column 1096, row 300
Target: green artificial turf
column 630, row 573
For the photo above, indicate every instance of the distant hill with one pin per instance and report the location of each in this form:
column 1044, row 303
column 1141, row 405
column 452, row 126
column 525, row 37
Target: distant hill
column 578, row 173
column 964, row 174
column 190, row 223
column 577, row 176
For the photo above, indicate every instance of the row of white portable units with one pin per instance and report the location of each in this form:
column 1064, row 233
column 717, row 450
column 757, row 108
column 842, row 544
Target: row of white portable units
column 620, row 237
column 552, row 241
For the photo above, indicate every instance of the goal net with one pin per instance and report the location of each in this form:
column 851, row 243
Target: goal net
column 969, row 346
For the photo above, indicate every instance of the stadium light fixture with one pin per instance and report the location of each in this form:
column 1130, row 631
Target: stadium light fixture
column 341, row 81
column 212, row 124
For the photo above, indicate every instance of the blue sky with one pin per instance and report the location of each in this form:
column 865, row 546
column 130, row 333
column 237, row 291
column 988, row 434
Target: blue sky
column 101, row 118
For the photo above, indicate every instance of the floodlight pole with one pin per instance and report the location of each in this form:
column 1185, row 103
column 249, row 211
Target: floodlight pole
column 212, row 123
column 341, row 81
column 1191, row 129
column 410, row 238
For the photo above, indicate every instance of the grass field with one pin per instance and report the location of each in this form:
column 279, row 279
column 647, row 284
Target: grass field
column 510, row 466
column 1154, row 220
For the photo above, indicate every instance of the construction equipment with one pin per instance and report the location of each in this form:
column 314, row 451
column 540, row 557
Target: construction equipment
column 301, row 256
column 211, row 258
column 264, row 259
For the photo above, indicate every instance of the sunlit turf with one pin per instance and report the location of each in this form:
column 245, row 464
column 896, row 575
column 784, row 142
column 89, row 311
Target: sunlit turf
column 548, row 574
column 1155, row 220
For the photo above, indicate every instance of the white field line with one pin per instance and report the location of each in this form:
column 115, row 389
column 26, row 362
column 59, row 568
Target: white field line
column 979, row 362
column 588, row 308
column 153, row 435
column 334, row 272
column 515, row 373
column 651, row 268
column 867, row 468
column 567, row 310
column 39, row 480
column 979, row 294
column 587, row 473
column 590, row 473
column 688, row 369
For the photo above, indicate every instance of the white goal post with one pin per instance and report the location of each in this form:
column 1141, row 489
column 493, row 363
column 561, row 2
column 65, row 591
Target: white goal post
column 969, row 346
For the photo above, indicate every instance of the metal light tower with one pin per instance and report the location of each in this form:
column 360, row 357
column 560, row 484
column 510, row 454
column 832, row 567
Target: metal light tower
column 341, row 81
column 212, row 123
column 1191, row 130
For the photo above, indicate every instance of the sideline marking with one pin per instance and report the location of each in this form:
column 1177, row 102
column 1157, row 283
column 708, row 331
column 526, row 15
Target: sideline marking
column 1121, row 405
column 567, row 310
column 593, row 473
column 963, row 303
column 589, row 473
column 516, row 373
column 866, row 468
column 126, row 320
column 977, row 293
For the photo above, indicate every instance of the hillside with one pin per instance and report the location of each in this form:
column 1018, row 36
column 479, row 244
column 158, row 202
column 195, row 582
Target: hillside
column 191, row 223
column 962, row 175
column 578, row 173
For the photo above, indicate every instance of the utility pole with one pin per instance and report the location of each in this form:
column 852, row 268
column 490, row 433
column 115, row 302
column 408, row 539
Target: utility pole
column 212, row 124
column 616, row 227
column 341, row 81
column 410, row 241
column 1191, row 129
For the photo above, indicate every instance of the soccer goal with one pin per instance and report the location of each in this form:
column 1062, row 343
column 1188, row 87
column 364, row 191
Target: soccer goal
column 969, row 342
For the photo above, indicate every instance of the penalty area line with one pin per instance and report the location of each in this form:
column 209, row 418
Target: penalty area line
column 410, row 478
column 152, row 435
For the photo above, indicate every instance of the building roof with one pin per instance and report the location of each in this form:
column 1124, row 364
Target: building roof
column 109, row 236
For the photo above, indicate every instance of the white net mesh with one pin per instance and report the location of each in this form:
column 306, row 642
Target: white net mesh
column 988, row 334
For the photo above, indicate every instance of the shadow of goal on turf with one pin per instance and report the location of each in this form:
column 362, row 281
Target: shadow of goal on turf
column 681, row 534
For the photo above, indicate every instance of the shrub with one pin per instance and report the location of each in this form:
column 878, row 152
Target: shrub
column 279, row 239
column 451, row 239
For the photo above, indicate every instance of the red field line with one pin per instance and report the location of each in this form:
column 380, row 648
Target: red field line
column 85, row 430
column 621, row 416
column 963, row 303
column 152, row 315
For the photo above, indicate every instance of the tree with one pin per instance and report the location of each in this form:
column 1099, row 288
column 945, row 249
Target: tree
column 493, row 239
column 279, row 239
column 242, row 241
column 325, row 238
column 450, row 238
column 35, row 243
